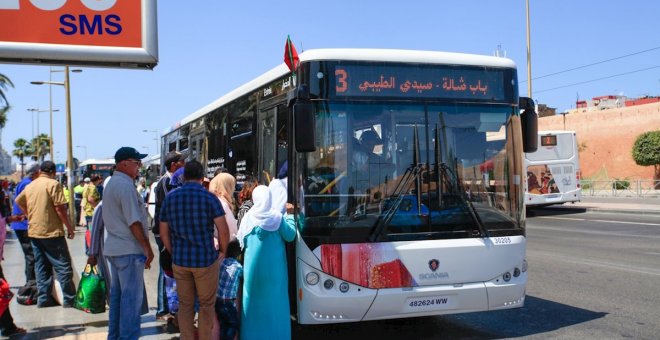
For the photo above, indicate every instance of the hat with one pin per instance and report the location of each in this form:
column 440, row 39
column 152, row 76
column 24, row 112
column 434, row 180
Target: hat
column 87, row 179
column 33, row 169
column 174, row 156
column 48, row 167
column 126, row 152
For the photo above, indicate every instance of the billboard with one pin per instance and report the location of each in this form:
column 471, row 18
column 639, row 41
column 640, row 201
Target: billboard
column 79, row 32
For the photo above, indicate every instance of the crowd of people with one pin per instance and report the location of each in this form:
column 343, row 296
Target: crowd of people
column 221, row 254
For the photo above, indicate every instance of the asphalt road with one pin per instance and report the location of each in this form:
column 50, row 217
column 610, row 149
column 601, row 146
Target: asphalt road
column 591, row 276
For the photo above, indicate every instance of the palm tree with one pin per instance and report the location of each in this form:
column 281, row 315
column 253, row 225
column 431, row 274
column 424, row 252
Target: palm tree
column 5, row 83
column 40, row 147
column 22, row 149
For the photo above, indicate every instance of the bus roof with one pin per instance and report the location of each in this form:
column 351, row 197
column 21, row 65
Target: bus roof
column 556, row 132
column 377, row 55
column 98, row 161
column 155, row 159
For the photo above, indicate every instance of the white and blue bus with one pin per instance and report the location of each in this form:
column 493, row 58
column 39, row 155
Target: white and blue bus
column 397, row 214
column 100, row 167
column 553, row 170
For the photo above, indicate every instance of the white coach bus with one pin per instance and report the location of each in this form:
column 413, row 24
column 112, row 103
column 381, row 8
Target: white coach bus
column 553, row 171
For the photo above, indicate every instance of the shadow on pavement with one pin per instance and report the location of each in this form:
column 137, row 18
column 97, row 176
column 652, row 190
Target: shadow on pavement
column 538, row 316
column 52, row 332
column 409, row 328
column 555, row 211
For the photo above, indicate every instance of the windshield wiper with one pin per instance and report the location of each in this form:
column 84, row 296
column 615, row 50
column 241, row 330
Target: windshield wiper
column 412, row 173
column 442, row 171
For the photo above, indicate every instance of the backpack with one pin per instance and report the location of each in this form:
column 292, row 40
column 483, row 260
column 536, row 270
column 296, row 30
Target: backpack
column 27, row 295
column 161, row 190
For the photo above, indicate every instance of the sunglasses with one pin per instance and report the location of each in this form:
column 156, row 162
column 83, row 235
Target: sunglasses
column 136, row 162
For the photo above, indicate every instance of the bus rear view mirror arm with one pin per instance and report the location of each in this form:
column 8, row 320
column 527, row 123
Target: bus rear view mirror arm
column 529, row 123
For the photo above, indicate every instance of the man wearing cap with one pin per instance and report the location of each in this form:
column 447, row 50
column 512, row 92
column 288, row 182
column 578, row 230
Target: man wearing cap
column 126, row 244
column 44, row 202
column 21, row 227
column 91, row 197
column 174, row 161
column 83, row 203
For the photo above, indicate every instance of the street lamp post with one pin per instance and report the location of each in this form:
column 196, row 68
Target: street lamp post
column 69, row 138
column 50, row 137
column 157, row 139
column 529, row 56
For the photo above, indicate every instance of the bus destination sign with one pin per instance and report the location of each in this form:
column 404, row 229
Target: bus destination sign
column 419, row 82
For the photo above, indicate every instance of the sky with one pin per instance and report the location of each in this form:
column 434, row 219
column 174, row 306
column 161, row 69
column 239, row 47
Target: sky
column 579, row 50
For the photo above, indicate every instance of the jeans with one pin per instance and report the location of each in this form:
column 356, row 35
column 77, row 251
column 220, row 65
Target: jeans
column 162, row 294
column 203, row 284
column 23, row 239
column 49, row 254
column 228, row 317
column 126, row 295
column 77, row 202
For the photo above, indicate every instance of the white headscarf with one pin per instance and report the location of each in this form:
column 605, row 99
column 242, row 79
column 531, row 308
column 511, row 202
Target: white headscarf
column 278, row 188
column 261, row 214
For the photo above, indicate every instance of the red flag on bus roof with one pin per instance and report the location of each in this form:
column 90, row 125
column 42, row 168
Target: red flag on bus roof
column 290, row 55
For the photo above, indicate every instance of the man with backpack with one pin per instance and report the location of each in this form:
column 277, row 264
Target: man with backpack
column 174, row 160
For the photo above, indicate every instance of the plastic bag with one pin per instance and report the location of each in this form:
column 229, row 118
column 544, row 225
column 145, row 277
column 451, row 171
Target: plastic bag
column 172, row 296
column 91, row 295
column 5, row 295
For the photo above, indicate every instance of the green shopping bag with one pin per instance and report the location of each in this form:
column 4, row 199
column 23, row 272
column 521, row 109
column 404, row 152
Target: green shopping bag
column 91, row 291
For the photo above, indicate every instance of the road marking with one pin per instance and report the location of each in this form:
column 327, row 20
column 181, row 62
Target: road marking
column 621, row 222
column 596, row 232
column 604, row 221
column 596, row 263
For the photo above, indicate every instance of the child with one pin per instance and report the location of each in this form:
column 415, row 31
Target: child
column 231, row 272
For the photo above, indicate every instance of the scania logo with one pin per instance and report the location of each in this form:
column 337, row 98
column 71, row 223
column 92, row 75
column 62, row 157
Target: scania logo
column 434, row 264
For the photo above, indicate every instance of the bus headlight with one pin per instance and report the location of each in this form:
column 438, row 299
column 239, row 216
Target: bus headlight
column 343, row 287
column 524, row 266
column 312, row 278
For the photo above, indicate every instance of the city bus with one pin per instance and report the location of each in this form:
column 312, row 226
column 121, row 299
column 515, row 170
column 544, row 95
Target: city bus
column 100, row 167
column 396, row 215
column 553, row 171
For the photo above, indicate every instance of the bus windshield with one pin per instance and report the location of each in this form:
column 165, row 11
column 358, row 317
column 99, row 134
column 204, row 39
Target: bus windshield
column 407, row 171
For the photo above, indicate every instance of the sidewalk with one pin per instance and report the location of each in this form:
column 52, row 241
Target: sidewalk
column 70, row 323
column 618, row 205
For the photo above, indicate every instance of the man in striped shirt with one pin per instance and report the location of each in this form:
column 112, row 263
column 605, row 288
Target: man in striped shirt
column 188, row 218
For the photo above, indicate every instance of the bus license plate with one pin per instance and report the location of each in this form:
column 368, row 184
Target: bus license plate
column 420, row 304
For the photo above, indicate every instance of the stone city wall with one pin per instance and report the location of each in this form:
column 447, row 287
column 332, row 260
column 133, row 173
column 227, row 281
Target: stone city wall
column 605, row 139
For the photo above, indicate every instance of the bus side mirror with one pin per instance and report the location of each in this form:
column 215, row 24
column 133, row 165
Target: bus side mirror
column 530, row 124
column 304, row 125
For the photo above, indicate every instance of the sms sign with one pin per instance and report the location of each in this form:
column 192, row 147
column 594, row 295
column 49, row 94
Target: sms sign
column 79, row 32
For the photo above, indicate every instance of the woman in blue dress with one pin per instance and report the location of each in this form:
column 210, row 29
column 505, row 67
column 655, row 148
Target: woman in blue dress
column 262, row 233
